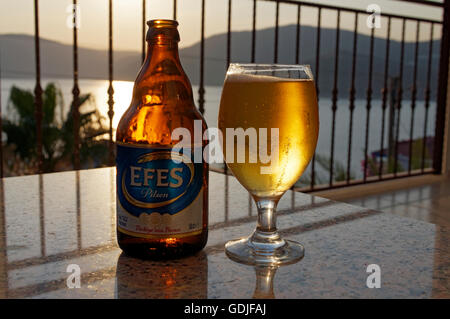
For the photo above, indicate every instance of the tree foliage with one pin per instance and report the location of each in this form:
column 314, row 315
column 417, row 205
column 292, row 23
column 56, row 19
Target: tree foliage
column 57, row 133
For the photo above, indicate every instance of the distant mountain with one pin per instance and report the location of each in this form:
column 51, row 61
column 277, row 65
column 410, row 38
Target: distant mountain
column 17, row 58
column 215, row 51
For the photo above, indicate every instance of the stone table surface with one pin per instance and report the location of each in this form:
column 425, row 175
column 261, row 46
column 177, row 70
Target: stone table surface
column 51, row 222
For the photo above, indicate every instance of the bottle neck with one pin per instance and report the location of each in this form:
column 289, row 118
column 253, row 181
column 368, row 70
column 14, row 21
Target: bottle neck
column 162, row 60
column 157, row 53
column 161, row 50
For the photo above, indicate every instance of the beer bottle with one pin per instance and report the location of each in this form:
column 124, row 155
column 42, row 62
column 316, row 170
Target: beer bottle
column 162, row 190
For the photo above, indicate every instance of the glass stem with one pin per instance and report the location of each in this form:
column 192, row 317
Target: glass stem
column 267, row 219
column 265, row 239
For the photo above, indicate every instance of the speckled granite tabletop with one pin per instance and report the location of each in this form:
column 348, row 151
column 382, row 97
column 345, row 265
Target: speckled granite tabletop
column 52, row 221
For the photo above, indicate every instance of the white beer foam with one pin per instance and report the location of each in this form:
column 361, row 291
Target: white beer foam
column 240, row 77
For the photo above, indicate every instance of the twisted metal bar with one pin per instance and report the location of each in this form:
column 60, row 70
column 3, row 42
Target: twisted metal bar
column 335, row 95
column 38, row 90
column 143, row 31
column 368, row 104
column 352, row 98
column 201, row 89
column 399, row 97
column 277, row 19
column 413, row 98
column 384, row 92
column 427, row 95
column 319, row 16
column 76, row 93
column 439, row 132
column 110, row 87
column 174, row 9
column 254, row 33
column 297, row 46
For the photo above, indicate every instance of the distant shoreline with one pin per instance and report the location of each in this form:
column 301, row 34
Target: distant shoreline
column 49, row 78
column 44, row 76
column 56, row 59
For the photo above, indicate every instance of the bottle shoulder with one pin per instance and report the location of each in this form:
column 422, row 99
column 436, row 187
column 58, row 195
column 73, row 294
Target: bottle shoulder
column 162, row 100
column 155, row 124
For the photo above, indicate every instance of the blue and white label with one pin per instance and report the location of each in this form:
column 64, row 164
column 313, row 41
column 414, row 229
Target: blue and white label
column 159, row 192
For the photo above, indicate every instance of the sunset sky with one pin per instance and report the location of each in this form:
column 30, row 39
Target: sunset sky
column 17, row 17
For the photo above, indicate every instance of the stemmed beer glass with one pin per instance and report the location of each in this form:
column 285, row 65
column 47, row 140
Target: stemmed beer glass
column 270, row 124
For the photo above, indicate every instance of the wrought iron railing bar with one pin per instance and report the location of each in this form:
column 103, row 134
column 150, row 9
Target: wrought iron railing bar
column 424, row 2
column 298, row 37
column 229, row 34
column 352, row 98
column 297, row 46
column 427, row 94
column 335, row 95
column 353, row 10
column 439, row 132
column 277, row 19
column 174, row 9
column 225, row 167
column 399, row 97
column 76, row 92
column 1, row 126
column 319, row 16
column 38, row 90
column 413, row 97
column 110, row 87
column 201, row 89
column 368, row 104
column 384, row 92
column 254, row 33
column 143, row 30
column 371, row 179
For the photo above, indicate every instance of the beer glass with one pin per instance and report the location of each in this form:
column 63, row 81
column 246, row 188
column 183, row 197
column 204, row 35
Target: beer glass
column 270, row 124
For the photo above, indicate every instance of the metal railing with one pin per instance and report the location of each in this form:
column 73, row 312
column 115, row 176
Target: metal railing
column 299, row 51
column 441, row 92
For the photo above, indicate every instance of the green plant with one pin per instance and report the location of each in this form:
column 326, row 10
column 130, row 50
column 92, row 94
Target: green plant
column 321, row 177
column 389, row 165
column 57, row 134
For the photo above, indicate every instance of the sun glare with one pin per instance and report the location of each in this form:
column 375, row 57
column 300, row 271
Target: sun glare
column 123, row 91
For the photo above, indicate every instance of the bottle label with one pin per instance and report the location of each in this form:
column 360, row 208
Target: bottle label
column 159, row 192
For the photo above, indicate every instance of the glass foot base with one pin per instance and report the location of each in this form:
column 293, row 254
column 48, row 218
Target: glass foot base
column 246, row 252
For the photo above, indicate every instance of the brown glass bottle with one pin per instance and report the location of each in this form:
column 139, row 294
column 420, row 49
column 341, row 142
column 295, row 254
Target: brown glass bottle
column 162, row 207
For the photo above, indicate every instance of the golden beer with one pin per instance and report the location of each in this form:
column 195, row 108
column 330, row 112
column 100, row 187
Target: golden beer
column 260, row 101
